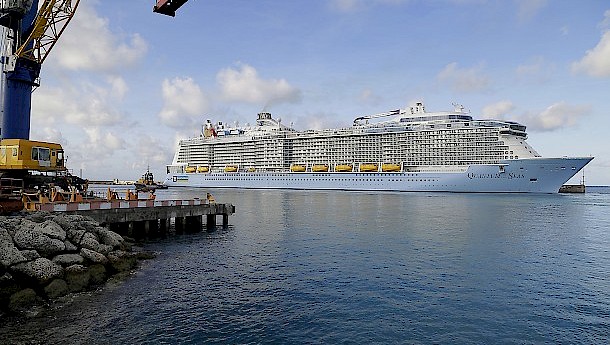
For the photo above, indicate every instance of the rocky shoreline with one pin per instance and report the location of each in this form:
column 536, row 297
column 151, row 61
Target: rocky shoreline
column 44, row 256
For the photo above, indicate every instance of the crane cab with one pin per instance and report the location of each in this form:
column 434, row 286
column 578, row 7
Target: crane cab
column 22, row 154
column 168, row 7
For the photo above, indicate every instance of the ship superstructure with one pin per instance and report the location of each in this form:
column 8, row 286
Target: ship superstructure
column 410, row 143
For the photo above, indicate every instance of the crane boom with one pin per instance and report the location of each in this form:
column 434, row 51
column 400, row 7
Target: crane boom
column 34, row 33
column 50, row 23
column 28, row 34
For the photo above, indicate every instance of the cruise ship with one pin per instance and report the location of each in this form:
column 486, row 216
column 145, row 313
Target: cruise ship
column 409, row 150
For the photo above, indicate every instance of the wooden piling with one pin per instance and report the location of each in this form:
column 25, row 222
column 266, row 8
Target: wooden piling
column 163, row 226
column 210, row 222
column 179, row 224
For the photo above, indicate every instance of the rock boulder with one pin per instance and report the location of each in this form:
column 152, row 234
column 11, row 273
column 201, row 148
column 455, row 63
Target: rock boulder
column 30, row 237
column 42, row 270
column 57, row 288
column 68, row 259
column 9, row 254
column 93, row 256
column 51, row 230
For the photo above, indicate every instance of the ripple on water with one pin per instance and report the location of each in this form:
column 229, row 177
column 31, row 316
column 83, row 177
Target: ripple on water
column 339, row 267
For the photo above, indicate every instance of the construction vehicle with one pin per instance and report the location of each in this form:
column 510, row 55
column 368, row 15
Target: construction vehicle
column 29, row 34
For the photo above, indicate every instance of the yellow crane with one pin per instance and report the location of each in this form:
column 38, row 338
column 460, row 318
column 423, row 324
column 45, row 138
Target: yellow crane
column 51, row 21
column 30, row 35
column 31, row 32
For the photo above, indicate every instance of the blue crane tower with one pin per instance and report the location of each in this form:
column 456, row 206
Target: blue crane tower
column 19, row 75
column 29, row 33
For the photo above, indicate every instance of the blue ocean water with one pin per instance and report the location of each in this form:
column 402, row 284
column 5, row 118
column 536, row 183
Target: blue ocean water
column 331, row 267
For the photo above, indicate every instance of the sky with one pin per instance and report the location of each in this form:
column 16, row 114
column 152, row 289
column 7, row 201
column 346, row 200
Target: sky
column 123, row 84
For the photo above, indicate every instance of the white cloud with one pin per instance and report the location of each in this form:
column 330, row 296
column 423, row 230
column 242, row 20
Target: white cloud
column 556, row 116
column 151, row 150
column 463, row 80
column 526, row 9
column 83, row 99
column 184, row 102
column 497, row 110
column 244, row 85
column 537, row 70
column 318, row 121
column 354, row 5
column 100, row 144
column 48, row 134
column 83, row 104
column 346, row 5
column 367, row 96
column 89, row 45
column 605, row 24
column 596, row 61
column 118, row 88
column 468, row 2
column 97, row 152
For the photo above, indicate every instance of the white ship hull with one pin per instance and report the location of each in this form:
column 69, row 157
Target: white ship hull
column 532, row 175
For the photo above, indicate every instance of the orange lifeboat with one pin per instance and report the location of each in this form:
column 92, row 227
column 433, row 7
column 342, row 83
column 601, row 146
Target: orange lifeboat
column 369, row 167
column 390, row 167
column 343, row 168
column 297, row 168
column 319, row 168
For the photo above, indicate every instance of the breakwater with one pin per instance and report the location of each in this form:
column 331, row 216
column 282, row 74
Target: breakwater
column 44, row 256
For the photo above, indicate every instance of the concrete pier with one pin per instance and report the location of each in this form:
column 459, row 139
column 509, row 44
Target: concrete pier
column 154, row 220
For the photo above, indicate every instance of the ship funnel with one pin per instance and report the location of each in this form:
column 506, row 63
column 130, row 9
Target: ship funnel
column 264, row 116
column 418, row 108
